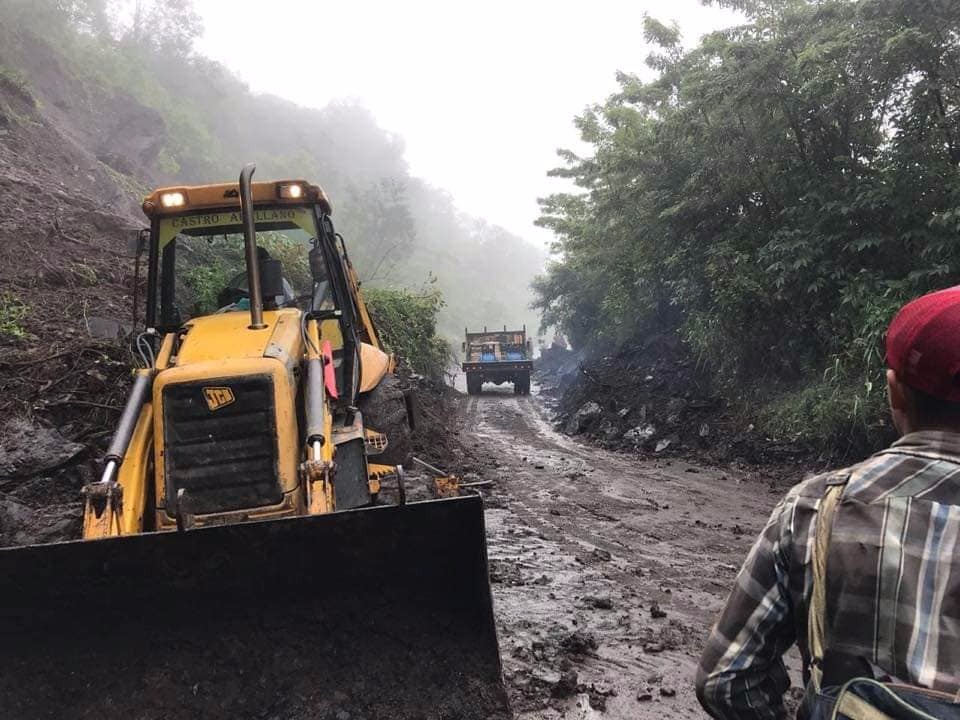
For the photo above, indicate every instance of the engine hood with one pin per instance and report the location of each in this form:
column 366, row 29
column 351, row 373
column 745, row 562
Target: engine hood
column 227, row 336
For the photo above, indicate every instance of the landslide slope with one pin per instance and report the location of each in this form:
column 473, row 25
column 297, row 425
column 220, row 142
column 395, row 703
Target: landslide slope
column 83, row 136
column 67, row 228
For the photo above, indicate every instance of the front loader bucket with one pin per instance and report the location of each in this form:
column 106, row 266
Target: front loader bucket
column 379, row 613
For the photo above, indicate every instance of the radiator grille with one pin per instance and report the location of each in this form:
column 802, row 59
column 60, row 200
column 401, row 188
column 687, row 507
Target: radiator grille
column 225, row 458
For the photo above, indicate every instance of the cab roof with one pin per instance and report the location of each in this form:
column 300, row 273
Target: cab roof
column 227, row 195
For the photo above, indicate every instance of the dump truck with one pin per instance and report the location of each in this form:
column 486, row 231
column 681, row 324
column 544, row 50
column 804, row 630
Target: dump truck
column 248, row 550
column 498, row 357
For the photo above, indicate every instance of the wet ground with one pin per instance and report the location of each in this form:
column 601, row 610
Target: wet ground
column 607, row 569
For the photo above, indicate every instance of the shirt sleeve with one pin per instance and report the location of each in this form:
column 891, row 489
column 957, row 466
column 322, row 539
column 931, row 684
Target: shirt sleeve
column 741, row 673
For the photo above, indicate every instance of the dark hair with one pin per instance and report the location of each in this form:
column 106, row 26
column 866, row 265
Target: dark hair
column 935, row 411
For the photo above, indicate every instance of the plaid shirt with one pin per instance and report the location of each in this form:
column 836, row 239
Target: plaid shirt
column 893, row 581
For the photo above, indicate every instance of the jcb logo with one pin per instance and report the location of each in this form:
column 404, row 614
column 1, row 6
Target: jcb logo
column 218, row 397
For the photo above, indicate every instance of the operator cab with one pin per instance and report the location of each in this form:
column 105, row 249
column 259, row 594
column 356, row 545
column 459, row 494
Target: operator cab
column 200, row 263
column 276, row 288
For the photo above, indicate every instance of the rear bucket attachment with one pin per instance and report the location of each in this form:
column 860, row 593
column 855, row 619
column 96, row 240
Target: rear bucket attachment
column 382, row 612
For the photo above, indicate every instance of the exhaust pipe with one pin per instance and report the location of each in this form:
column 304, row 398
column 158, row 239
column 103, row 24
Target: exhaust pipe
column 250, row 248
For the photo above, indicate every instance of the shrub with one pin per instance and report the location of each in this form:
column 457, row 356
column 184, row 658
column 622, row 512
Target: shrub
column 203, row 284
column 772, row 195
column 840, row 413
column 407, row 323
column 13, row 81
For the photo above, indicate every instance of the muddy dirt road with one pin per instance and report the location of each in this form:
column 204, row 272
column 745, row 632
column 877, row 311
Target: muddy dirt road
column 607, row 569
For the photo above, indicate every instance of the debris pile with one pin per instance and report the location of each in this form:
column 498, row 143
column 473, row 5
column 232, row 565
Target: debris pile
column 40, row 477
column 651, row 398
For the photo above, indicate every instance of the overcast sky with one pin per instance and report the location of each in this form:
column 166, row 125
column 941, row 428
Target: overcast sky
column 482, row 93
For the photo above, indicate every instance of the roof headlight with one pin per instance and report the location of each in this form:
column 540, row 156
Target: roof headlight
column 173, row 199
column 290, row 192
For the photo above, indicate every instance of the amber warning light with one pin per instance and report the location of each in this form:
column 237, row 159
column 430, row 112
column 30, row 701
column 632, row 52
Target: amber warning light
column 290, row 192
column 173, row 199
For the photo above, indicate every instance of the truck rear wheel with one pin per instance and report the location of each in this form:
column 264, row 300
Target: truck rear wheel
column 522, row 385
column 474, row 384
column 384, row 409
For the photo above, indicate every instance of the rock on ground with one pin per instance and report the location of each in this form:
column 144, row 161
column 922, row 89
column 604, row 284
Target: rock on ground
column 28, row 449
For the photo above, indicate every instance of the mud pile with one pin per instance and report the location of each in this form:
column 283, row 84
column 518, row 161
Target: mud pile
column 651, row 398
column 441, row 435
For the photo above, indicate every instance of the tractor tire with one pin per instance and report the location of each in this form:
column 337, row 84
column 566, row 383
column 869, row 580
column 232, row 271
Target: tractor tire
column 384, row 409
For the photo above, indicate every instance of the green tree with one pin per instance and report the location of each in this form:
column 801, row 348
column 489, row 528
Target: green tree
column 773, row 195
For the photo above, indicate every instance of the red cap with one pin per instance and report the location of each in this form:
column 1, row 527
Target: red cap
column 923, row 344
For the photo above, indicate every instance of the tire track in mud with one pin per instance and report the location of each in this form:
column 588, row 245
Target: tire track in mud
column 604, row 565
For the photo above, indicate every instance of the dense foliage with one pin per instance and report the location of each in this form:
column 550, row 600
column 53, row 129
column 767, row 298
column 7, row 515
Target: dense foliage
column 208, row 264
column 203, row 124
column 407, row 322
column 773, row 195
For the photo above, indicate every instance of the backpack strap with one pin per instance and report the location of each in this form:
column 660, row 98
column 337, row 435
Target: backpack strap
column 816, row 614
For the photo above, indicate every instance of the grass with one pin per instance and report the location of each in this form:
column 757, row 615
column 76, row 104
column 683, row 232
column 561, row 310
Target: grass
column 12, row 314
column 84, row 274
column 839, row 414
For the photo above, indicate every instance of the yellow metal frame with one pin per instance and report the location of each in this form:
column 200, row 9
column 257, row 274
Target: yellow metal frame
column 286, row 438
column 227, row 195
column 220, row 347
column 134, row 476
column 374, row 364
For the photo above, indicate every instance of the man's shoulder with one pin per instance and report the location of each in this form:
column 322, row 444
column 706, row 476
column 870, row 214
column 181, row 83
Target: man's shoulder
column 813, row 487
column 857, row 476
column 878, row 475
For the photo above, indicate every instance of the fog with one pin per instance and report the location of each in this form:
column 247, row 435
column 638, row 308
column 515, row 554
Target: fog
column 431, row 125
column 481, row 93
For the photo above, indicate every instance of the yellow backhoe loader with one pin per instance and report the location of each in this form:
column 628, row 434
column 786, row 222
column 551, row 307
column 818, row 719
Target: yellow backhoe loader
column 238, row 558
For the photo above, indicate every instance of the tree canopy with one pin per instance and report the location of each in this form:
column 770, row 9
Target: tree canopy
column 774, row 194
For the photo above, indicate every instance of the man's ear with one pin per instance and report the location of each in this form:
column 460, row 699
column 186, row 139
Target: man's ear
column 897, row 393
column 901, row 406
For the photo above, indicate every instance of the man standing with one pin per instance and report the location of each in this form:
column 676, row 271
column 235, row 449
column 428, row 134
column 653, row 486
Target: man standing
column 893, row 566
